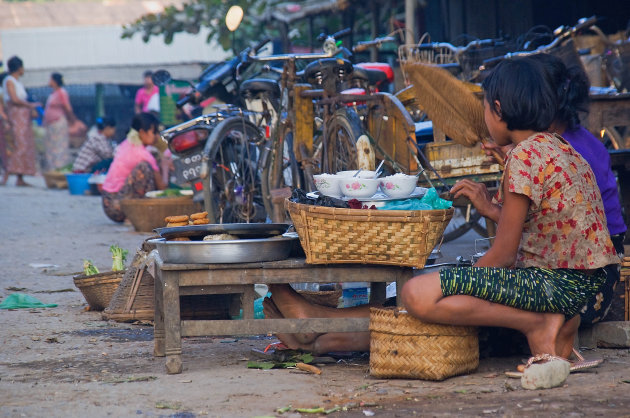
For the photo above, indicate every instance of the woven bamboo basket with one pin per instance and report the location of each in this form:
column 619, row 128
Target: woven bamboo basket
column 148, row 214
column 98, row 289
column 405, row 347
column 55, row 180
column 393, row 237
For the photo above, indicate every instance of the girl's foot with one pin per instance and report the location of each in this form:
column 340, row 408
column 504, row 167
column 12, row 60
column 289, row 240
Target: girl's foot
column 543, row 335
column 289, row 340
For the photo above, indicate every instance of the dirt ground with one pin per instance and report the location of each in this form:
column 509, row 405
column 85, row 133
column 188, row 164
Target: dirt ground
column 65, row 361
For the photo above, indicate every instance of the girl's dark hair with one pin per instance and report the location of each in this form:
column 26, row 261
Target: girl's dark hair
column 14, row 64
column 57, row 78
column 526, row 94
column 105, row 121
column 571, row 85
column 145, row 121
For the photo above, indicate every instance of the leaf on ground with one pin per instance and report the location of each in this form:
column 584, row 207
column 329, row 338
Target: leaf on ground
column 284, row 409
column 318, row 410
column 266, row 365
column 626, row 381
column 132, row 379
column 166, row 405
column 305, row 358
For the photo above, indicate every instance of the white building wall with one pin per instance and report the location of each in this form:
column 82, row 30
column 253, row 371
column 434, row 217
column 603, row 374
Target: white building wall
column 88, row 52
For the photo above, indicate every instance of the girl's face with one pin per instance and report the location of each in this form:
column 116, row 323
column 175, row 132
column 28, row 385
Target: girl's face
column 497, row 128
column 148, row 137
column 109, row 131
column 52, row 83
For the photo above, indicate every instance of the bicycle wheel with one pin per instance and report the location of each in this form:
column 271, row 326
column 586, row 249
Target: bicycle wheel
column 339, row 152
column 280, row 168
column 232, row 192
column 459, row 225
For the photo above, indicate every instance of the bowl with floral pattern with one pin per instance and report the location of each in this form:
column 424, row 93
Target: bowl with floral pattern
column 358, row 187
column 328, row 184
column 399, row 185
column 364, row 174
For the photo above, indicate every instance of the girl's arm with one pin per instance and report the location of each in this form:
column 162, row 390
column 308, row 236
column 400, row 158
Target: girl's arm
column 509, row 231
column 15, row 99
column 478, row 195
column 67, row 107
column 159, row 182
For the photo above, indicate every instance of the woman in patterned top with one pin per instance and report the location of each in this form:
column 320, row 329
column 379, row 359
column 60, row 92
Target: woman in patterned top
column 552, row 242
column 96, row 153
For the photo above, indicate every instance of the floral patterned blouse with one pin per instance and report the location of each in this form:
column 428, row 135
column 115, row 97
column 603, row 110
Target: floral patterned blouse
column 566, row 224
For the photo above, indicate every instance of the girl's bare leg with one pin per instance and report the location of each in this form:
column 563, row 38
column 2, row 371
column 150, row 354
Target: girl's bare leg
column 423, row 298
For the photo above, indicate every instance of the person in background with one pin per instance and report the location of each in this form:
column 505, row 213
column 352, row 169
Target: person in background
column 5, row 127
column 22, row 159
column 572, row 87
column 147, row 97
column 134, row 170
column 58, row 115
column 96, row 153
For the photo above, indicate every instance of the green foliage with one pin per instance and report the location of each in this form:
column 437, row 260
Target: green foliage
column 118, row 256
column 194, row 16
column 89, row 268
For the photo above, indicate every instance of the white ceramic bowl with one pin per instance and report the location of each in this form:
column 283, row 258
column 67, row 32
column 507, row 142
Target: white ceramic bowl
column 364, row 174
column 398, row 185
column 358, row 187
column 328, row 184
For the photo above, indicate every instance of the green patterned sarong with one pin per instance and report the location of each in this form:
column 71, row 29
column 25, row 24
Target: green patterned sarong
column 531, row 289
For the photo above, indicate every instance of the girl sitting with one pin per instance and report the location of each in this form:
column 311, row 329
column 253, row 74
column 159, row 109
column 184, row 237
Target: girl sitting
column 134, row 170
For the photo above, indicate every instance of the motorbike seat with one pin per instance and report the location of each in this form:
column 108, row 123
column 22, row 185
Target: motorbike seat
column 318, row 71
column 373, row 77
column 256, row 86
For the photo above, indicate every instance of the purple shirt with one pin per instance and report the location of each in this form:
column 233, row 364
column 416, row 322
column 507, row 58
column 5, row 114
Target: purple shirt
column 597, row 156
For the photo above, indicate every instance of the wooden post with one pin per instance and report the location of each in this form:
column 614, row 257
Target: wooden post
column 172, row 322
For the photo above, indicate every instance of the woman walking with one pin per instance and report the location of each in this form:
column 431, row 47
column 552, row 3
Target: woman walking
column 22, row 159
column 57, row 114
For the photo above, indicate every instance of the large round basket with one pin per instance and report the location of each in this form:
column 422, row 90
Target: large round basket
column 404, row 347
column 148, row 213
column 98, row 289
column 55, row 180
column 368, row 236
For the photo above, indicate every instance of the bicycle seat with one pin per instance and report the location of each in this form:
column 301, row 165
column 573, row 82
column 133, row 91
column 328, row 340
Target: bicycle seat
column 254, row 86
column 378, row 66
column 327, row 69
column 373, row 77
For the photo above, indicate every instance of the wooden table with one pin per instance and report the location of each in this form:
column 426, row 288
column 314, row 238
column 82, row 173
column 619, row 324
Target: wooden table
column 175, row 280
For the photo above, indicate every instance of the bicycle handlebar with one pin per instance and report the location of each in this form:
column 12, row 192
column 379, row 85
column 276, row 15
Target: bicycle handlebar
column 561, row 35
column 377, row 42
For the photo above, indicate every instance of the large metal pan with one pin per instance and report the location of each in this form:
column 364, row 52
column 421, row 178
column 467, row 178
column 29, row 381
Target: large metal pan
column 242, row 230
column 233, row 251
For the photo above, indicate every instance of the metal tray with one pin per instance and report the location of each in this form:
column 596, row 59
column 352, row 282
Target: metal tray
column 219, row 252
column 246, row 231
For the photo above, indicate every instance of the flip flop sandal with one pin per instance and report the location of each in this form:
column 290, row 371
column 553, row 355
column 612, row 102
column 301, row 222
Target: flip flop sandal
column 582, row 364
column 532, row 360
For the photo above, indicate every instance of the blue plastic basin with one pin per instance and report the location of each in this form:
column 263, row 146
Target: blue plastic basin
column 78, row 183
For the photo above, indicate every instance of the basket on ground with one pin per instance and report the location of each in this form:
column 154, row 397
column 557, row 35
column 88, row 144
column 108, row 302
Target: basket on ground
column 393, row 237
column 405, row 347
column 55, row 180
column 146, row 214
column 98, row 289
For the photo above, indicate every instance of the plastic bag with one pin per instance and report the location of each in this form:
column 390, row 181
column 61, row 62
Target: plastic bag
column 20, row 300
column 430, row 201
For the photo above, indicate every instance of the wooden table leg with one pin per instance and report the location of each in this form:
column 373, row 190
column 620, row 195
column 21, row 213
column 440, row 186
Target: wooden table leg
column 158, row 330
column 172, row 322
column 378, row 293
column 249, row 295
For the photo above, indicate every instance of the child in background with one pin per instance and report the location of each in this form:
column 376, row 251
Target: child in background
column 97, row 152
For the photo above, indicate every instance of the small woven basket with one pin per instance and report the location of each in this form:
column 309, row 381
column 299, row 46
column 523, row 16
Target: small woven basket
column 146, row 214
column 393, row 237
column 404, row 347
column 98, row 289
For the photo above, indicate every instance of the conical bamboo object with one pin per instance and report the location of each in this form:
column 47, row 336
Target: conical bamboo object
column 451, row 106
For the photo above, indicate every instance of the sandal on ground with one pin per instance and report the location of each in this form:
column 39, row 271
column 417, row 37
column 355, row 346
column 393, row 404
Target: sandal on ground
column 545, row 371
column 582, row 364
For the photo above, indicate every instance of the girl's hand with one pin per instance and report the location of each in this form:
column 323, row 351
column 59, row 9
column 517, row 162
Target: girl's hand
column 478, row 195
column 488, row 147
